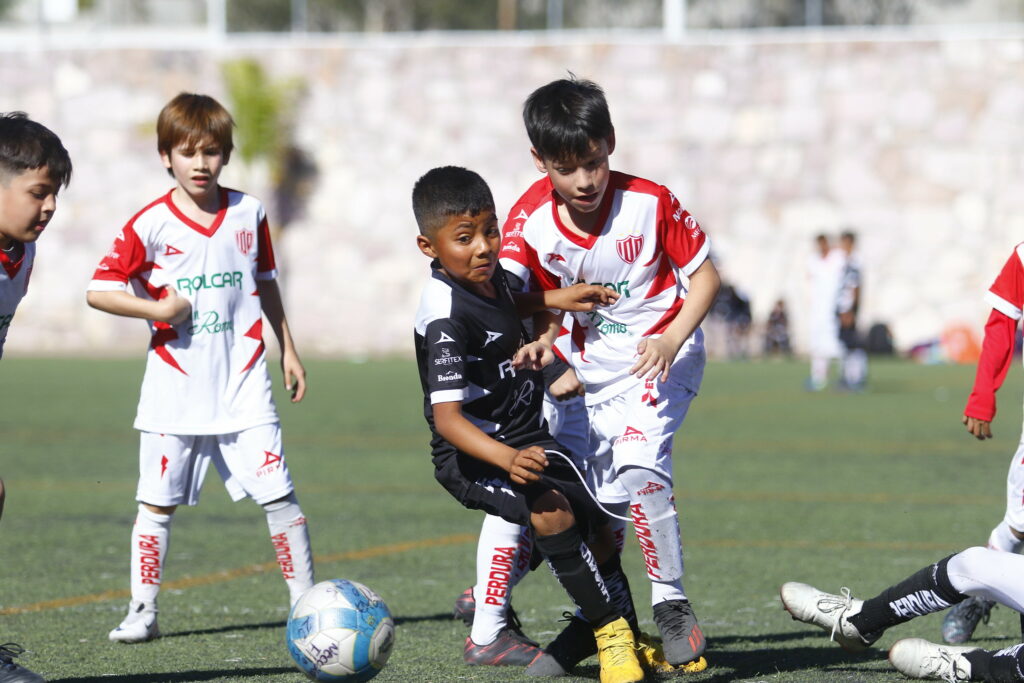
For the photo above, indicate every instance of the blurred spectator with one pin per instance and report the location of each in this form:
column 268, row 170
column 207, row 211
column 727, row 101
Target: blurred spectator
column 854, row 363
column 776, row 332
column 824, row 270
column 731, row 310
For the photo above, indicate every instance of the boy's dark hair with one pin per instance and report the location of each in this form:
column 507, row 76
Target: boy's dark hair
column 849, row 235
column 564, row 117
column 190, row 119
column 26, row 144
column 448, row 191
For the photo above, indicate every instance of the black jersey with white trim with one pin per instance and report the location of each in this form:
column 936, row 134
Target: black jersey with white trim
column 464, row 348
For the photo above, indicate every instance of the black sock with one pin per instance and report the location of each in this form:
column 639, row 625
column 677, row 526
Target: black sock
column 1004, row 666
column 574, row 567
column 924, row 592
column 618, row 588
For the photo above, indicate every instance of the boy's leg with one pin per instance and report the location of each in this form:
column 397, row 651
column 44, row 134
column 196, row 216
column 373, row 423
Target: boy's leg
column 252, row 462
column 171, row 470
column 503, row 558
column 638, row 426
column 961, row 622
column 917, row 658
column 559, row 541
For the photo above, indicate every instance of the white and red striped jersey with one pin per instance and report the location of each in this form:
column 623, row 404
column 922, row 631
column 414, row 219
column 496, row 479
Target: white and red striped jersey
column 14, row 275
column 646, row 247
column 207, row 375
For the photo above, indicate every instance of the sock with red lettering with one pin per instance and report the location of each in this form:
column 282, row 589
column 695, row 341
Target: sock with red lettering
column 653, row 510
column 927, row 590
column 150, row 537
column 502, row 559
column 290, row 537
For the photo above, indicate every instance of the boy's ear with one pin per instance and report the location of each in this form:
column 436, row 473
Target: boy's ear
column 166, row 158
column 423, row 242
column 538, row 160
column 611, row 141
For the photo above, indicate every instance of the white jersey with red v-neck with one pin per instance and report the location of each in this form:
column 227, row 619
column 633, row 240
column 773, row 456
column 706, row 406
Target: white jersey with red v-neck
column 14, row 275
column 207, row 375
column 647, row 246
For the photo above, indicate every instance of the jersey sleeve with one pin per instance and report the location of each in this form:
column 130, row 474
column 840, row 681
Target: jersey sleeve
column 680, row 235
column 125, row 259
column 266, row 265
column 994, row 363
column 1006, row 294
column 445, row 358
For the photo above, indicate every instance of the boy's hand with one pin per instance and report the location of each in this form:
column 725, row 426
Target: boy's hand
column 567, row 386
column 526, row 464
column 173, row 308
column 656, row 356
column 581, row 297
column 533, row 356
column 980, row 429
column 294, row 375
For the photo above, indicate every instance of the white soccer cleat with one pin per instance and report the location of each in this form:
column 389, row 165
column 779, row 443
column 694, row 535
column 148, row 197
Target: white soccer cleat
column 824, row 610
column 917, row 658
column 139, row 626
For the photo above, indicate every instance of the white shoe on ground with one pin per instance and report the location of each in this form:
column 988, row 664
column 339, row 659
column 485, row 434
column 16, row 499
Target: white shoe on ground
column 139, row 626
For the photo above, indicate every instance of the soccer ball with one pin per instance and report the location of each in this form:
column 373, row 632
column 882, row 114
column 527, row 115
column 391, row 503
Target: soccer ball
column 340, row 631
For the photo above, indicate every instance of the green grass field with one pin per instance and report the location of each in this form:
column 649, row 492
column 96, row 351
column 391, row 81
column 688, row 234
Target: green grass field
column 773, row 484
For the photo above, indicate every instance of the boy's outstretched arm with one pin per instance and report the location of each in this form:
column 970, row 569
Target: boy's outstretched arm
column 291, row 366
column 994, row 363
column 658, row 353
column 453, row 426
column 577, row 297
column 171, row 308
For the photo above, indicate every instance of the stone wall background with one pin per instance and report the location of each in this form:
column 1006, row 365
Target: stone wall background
column 912, row 139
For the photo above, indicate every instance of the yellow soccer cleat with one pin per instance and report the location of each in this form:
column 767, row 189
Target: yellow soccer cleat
column 652, row 658
column 616, row 653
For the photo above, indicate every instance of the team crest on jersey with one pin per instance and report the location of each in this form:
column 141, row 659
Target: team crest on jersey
column 172, row 251
column 628, row 248
column 245, row 239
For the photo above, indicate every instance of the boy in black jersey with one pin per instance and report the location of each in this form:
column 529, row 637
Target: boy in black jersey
column 489, row 439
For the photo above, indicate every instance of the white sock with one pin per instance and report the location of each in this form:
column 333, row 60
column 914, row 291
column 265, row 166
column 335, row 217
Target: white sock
column 1003, row 538
column 652, row 507
column 502, row 559
column 151, row 536
column 819, row 372
column 290, row 537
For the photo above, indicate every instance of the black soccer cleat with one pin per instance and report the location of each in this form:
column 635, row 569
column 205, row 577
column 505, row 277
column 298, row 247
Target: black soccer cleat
column 681, row 637
column 575, row 643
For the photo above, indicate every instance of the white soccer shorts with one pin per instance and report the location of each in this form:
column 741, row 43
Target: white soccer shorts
column 251, row 463
column 567, row 422
column 636, row 428
column 1015, row 489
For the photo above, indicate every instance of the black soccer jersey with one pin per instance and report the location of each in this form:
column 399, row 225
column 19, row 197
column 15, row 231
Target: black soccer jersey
column 464, row 348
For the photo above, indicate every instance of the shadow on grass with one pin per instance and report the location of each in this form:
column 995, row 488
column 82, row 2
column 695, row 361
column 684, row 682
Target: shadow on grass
column 178, row 676
column 225, row 629
column 446, row 616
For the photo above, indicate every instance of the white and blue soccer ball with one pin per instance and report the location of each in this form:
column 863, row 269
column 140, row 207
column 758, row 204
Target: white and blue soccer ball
column 340, row 631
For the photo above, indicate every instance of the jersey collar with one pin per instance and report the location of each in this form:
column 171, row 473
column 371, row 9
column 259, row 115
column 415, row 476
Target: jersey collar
column 206, row 232
column 13, row 266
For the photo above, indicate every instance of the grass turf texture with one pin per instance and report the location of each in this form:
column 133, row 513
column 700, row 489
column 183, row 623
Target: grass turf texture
column 773, row 484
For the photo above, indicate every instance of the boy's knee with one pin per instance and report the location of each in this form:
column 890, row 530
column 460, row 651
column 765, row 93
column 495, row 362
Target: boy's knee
column 551, row 514
column 160, row 509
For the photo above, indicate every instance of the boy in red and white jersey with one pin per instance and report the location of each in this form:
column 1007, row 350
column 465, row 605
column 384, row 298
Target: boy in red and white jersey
column 201, row 269
column 1006, row 297
column 33, row 167
column 641, row 359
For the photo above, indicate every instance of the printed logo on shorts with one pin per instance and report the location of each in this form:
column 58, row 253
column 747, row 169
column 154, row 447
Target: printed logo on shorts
column 270, row 464
column 492, row 336
column 631, row 435
column 443, row 338
column 629, row 247
column 163, row 465
column 649, row 397
column 245, row 239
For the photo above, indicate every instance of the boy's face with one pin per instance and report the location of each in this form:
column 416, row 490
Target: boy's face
column 581, row 183
column 195, row 168
column 27, row 202
column 467, row 247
